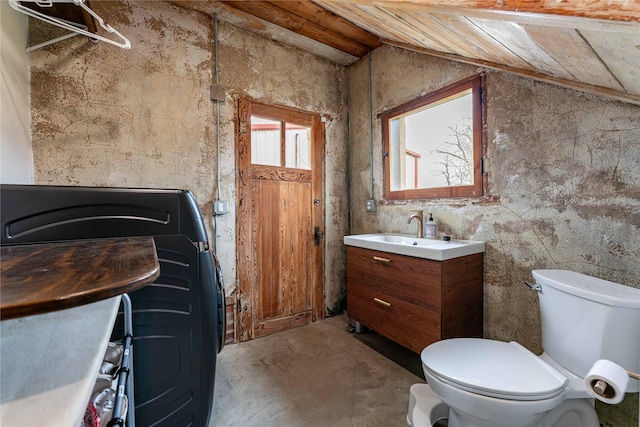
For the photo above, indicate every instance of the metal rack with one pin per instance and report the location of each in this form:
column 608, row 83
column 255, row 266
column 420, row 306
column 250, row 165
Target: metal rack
column 114, row 382
column 125, row 373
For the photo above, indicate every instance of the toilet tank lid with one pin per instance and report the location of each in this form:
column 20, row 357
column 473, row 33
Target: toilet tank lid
column 589, row 287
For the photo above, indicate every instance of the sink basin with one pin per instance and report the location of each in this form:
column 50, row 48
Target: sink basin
column 402, row 244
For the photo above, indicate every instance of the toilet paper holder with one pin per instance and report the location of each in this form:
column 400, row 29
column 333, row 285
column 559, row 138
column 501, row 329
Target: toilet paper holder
column 607, row 381
column 604, row 389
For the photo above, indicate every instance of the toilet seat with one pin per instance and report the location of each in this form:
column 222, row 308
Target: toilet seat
column 493, row 368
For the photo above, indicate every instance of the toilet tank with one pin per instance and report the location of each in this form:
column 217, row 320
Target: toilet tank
column 585, row 319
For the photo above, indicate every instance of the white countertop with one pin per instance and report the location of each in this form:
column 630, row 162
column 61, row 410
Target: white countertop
column 49, row 363
column 402, row 244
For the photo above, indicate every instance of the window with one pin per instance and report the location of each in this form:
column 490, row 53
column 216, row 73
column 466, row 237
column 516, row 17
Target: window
column 433, row 145
column 271, row 147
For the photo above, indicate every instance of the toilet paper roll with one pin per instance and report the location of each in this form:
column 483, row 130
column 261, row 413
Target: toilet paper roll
column 607, row 381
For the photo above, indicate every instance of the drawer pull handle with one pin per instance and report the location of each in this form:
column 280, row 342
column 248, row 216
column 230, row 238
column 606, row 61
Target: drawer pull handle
column 377, row 258
column 381, row 302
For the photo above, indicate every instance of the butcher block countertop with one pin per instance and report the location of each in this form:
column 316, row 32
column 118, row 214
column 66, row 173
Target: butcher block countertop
column 40, row 278
column 59, row 302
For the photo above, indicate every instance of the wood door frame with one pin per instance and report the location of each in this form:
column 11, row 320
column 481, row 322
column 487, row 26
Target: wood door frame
column 245, row 298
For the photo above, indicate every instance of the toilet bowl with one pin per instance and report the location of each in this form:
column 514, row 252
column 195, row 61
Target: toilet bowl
column 489, row 383
column 426, row 409
column 486, row 383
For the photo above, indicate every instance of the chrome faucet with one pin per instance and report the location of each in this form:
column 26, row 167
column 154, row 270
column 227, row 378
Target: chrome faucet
column 420, row 223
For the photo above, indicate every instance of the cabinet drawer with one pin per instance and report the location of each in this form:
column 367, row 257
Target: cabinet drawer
column 407, row 324
column 414, row 280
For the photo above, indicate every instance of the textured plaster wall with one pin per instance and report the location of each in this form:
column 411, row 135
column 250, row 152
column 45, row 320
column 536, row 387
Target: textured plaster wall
column 142, row 118
column 565, row 165
column 566, row 168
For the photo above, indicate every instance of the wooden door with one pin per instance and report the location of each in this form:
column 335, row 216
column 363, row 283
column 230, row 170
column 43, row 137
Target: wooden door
column 280, row 219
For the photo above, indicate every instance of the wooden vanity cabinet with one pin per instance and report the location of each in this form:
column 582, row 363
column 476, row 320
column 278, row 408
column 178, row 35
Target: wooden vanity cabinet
column 415, row 301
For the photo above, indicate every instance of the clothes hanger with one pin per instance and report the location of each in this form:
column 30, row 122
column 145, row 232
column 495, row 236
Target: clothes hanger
column 75, row 28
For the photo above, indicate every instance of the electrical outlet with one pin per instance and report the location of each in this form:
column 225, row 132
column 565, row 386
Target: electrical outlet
column 371, row 205
column 219, row 207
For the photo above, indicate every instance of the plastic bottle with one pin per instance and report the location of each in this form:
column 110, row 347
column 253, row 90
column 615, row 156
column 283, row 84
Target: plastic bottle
column 430, row 228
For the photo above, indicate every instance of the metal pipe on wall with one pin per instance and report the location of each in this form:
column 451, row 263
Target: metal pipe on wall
column 370, row 132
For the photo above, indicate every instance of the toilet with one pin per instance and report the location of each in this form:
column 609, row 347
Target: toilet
column 473, row 382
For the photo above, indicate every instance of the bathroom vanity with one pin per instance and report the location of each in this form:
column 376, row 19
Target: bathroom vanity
column 413, row 300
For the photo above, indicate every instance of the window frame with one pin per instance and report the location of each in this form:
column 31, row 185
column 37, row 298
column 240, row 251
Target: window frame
column 476, row 84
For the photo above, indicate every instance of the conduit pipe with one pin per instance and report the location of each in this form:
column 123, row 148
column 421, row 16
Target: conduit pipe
column 217, row 77
column 370, row 132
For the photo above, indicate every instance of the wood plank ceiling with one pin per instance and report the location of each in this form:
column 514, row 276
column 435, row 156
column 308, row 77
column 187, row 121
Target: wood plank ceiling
column 591, row 45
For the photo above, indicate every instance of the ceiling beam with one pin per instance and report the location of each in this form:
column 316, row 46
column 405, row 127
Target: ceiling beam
column 271, row 12
column 246, row 21
column 614, row 10
column 318, row 15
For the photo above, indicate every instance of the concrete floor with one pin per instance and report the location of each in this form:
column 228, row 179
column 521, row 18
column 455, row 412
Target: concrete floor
column 316, row 375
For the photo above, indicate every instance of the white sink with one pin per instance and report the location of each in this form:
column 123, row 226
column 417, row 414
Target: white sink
column 403, row 244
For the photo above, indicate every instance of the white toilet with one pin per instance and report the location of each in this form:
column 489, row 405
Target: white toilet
column 485, row 383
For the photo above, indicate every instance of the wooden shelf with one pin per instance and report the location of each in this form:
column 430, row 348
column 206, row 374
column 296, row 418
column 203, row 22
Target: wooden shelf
column 41, row 278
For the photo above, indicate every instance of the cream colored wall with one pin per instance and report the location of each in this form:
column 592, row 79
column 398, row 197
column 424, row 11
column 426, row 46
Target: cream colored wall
column 143, row 118
column 16, row 157
column 566, row 169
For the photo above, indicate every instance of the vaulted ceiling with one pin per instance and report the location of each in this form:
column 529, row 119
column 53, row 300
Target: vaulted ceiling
column 591, row 45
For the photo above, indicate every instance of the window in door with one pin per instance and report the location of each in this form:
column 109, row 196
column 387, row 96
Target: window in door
column 271, row 146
